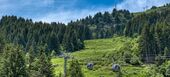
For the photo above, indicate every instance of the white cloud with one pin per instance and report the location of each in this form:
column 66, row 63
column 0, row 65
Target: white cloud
column 61, row 14
column 140, row 5
column 66, row 16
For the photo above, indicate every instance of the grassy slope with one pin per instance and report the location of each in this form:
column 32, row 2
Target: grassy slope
column 98, row 52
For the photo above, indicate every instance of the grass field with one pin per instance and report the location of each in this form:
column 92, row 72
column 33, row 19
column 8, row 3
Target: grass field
column 100, row 52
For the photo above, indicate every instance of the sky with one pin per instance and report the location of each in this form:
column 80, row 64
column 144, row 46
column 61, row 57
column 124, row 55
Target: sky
column 66, row 10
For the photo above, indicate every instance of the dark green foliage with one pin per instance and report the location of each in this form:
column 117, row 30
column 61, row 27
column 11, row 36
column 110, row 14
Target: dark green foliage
column 153, row 27
column 144, row 44
column 127, row 56
column 31, row 54
column 60, row 74
column 164, row 68
column 119, row 74
column 167, row 73
column 107, row 24
column 54, row 43
column 166, row 52
column 160, row 59
column 73, row 40
column 135, row 25
column 148, row 45
column 154, row 30
column 44, row 65
column 30, row 58
column 153, row 7
column 41, row 66
column 26, row 33
column 53, row 54
column 135, row 60
column 2, row 43
column 13, row 62
column 75, row 69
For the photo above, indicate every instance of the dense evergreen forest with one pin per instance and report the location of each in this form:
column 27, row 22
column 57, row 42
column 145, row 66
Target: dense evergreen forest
column 154, row 28
column 60, row 37
column 55, row 36
column 26, row 46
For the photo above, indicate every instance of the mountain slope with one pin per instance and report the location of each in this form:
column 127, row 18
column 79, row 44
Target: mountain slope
column 101, row 52
column 151, row 17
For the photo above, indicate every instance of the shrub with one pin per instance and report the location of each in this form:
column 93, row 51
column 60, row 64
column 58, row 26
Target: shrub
column 135, row 60
column 127, row 57
column 159, row 60
column 167, row 73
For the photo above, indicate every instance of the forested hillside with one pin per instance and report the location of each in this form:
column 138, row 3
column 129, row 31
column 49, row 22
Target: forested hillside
column 151, row 17
column 105, row 25
column 61, row 37
column 137, row 45
column 55, row 36
column 154, row 28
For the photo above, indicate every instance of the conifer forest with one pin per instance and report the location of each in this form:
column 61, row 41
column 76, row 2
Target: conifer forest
column 117, row 43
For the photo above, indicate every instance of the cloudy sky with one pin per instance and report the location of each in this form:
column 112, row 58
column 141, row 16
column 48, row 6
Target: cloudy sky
column 67, row 10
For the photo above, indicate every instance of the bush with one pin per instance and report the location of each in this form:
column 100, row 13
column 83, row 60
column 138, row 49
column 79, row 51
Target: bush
column 165, row 68
column 75, row 69
column 153, row 71
column 135, row 60
column 167, row 73
column 53, row 53
column 127, row 57
column 153, row 7
column 159, row 60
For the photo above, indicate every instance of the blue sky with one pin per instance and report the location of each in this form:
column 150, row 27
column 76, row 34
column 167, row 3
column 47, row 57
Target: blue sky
column 67, row 10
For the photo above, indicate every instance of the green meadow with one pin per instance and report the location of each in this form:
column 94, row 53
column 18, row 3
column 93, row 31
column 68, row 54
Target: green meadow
column 101, row 52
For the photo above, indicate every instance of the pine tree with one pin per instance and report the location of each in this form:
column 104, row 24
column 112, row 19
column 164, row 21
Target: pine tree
column 157, row 35
column 24, row 32
column 75, row 69
column 54, row 43
column 166, row 52
column 153, row 43
column 30, row 59
column 44, row 65
column 144, row 43
column 13, row 62
column 167, row 72
column 2, row 43
column 66, row 40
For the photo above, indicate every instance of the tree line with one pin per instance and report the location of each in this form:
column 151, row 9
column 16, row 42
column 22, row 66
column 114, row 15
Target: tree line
column 154, row 28
column 60, row 37
column 56, row 36
column 105, row 25
column 17, row 63
column 34, row 41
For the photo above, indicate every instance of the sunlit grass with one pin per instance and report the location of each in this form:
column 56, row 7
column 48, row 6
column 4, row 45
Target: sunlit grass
column 96, row 51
